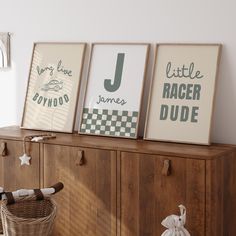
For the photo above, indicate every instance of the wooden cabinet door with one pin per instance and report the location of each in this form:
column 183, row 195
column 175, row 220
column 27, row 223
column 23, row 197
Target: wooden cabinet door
column 148, row 196
column 87, row 204
column 13, row 176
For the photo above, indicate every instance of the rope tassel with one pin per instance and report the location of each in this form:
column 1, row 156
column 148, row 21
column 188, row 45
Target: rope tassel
column 25, row 158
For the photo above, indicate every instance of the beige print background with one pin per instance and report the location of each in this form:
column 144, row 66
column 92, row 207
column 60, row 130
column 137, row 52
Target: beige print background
column 58, row 118
column 205, row 60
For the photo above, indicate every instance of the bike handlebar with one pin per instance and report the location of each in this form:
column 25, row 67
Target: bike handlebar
column 30, row 192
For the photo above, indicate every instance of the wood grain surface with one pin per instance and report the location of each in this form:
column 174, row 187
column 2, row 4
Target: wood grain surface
column 87, row 204
column 13, row 176
column 139, row 145
column 147, row 196
column 117, row 187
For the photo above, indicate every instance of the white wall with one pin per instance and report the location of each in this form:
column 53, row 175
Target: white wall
column 126, row 21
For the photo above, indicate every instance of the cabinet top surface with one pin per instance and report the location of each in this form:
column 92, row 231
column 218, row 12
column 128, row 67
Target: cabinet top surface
column 121, row 144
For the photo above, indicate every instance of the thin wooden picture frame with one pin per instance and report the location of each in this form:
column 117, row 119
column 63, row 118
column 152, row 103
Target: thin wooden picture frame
column 65, row 119
column 115, row 130
column 174, row 135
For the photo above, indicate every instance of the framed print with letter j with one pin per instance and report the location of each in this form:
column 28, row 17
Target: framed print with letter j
column 114, row 89
column 53, row 85
column 182, row 93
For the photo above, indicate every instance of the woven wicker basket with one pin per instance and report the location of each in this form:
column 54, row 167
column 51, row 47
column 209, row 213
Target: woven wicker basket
column 0, row 214
column 1, row 226
column 28, row 217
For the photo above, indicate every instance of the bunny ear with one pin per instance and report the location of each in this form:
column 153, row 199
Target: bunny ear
column 182, row 209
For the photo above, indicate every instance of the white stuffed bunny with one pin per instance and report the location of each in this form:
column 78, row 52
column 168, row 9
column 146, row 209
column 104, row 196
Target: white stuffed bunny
column 175, row 224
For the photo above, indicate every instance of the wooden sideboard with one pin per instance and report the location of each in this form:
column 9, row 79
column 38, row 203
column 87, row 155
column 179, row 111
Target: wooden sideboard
column 121, row 187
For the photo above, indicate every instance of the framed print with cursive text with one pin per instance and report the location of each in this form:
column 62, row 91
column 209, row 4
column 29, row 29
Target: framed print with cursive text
column 114, row 89
column 182, row 93
column 53, row 85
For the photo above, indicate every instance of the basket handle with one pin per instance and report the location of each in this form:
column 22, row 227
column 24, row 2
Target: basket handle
column 39, row 195
column 1, row 193
column 57, row 187
column 10, row 198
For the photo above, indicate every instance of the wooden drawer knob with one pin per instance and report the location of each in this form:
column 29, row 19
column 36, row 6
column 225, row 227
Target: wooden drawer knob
column 166, row 170
column 80, row 158
column 3, row 149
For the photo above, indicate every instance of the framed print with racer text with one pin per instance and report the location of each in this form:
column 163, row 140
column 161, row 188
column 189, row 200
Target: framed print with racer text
column 182, row 93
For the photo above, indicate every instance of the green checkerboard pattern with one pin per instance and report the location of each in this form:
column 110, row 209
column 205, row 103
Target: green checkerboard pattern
column 109, row 122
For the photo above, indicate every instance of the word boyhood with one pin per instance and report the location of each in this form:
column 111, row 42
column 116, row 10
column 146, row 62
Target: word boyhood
column 50, row 102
